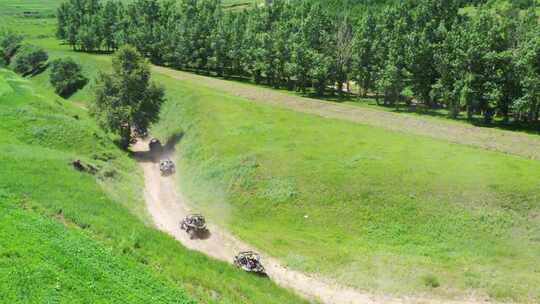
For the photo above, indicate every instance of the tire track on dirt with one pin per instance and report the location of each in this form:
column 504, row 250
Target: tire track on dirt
column 490, row 139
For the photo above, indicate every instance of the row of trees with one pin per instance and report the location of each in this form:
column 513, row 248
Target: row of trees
column 429, row 52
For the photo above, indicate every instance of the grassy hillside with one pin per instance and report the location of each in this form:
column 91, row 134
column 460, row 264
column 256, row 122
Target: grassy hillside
column 375, row 209
column 73, row 237
column 385, row 211
column 43, row 8
column 378, row 210
column 70, row 267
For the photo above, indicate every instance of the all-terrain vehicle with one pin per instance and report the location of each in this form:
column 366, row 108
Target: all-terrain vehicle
column 167, row 167
column 194, row 225
column 249, row 261
column 139, row 132
column 155, row 146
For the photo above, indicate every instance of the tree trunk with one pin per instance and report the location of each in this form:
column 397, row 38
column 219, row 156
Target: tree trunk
column 125, row 136
column 340, row 88
column 454, row 111
column 427, row 100
column 504, row 112
column 470, row 113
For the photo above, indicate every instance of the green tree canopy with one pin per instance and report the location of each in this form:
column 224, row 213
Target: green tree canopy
column 66, row 76
column 9, row 43
column 29, row 59
column 127, row 100
column 431, row 53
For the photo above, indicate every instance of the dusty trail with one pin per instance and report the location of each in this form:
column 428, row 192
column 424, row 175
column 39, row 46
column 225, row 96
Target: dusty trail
column 167, row 207
column 485, row 138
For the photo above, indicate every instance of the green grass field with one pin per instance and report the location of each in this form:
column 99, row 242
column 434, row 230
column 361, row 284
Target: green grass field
column 382, row 211
column 71, row 237
column 380, row 203
column 47, row 263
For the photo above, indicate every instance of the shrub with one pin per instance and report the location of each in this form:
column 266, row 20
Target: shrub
column 29, row 59
column 9, row 43
column 431, row 281
column 66, row 76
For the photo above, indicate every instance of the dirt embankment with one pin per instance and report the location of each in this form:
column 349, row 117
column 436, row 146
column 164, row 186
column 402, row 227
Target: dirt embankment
column 491, row 139
column 168, row 207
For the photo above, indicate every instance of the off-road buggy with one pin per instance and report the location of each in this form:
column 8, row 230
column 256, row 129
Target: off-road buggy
column 167, row 167
column 249, row 261
column 194, row 225
column 155, row 146
column 139, row 132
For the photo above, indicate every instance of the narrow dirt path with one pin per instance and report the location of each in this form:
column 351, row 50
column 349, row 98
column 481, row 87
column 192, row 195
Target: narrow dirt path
column 167, row 207
column 491, row 139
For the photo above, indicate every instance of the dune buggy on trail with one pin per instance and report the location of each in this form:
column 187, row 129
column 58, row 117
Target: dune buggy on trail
column 250, row 262
column 194, row 225
column 166, row 167
column 155, row 146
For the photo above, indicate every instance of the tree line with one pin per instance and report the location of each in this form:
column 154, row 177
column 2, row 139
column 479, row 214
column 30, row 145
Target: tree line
column 480, row 61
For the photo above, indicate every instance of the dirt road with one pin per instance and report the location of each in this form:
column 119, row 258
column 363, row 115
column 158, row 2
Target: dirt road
column 485, row 138
column 167, row 207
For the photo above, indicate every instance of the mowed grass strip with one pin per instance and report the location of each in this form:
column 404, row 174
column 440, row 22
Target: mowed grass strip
column 68, row 234
column 516, row 143
column 375, row 209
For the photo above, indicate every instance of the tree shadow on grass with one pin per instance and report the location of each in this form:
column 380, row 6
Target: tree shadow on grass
column 36, row 71
column 68, row 92
column 440, row 113
column 172, row 141
column 154, row 156
column 96, row 52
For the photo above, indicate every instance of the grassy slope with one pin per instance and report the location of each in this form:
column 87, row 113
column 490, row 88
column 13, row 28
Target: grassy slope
column 394, row 209
column 103, row 251
column 45, row 260
column 48, row 263
column 385, row 210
